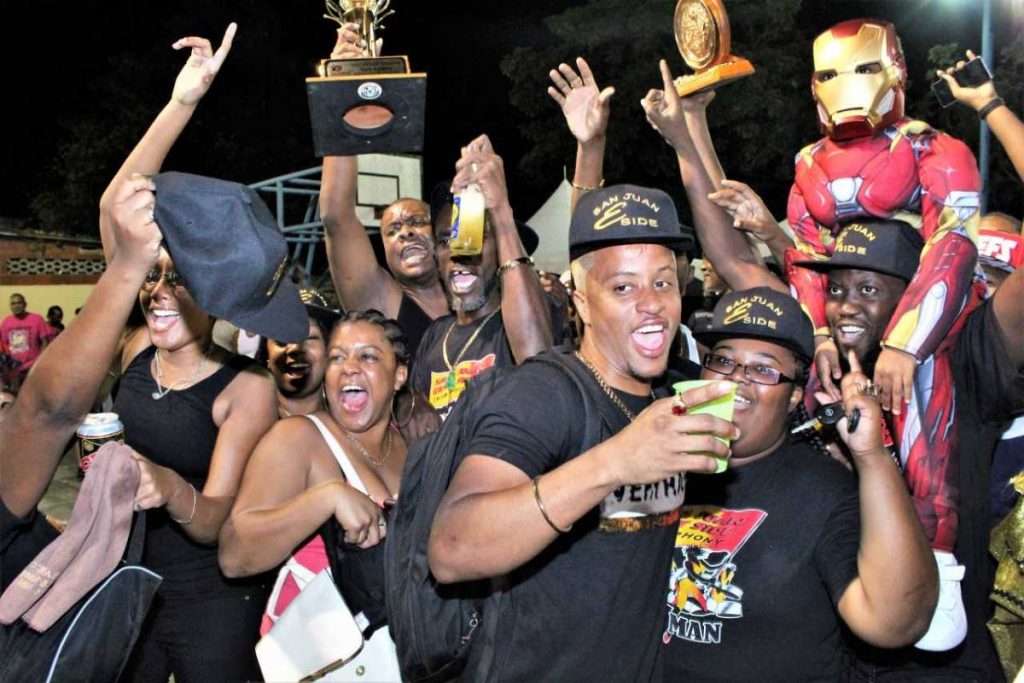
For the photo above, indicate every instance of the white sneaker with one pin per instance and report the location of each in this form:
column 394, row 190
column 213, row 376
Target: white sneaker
column 949, row 623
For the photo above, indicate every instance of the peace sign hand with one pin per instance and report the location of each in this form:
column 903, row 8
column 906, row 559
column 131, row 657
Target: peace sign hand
column 202, row 66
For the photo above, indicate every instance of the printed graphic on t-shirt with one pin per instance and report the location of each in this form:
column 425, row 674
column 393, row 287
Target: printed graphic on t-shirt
column 445, row 390
column 637, row 500
column 17, row 340
column 702, row 595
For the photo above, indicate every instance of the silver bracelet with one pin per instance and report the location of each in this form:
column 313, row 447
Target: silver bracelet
column 195, row 499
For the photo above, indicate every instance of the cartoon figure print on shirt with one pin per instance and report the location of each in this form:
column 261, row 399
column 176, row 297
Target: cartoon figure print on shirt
column 701, row 593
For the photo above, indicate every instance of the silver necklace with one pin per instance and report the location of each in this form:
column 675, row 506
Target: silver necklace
column 161, row 391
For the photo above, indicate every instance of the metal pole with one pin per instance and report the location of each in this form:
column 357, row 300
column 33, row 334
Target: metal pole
column 983, row 135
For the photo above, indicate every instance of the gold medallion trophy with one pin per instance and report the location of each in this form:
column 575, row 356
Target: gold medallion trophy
column 366, row 104
column 702, row 34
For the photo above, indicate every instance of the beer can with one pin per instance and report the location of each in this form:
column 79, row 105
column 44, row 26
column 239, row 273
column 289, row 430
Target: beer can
column 96, row 430
column 468, row 222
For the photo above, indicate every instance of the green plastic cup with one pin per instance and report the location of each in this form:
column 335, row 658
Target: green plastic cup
column 720, row 407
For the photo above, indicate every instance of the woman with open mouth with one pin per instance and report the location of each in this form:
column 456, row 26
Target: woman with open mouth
column 332, row 473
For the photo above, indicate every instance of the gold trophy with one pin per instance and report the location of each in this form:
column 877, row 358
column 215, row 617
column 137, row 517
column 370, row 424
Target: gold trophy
column 702, row 34
column 366, row 104
column 368, row 15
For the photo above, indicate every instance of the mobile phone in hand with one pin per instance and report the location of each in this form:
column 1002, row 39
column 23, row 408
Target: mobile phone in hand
column 973, row 74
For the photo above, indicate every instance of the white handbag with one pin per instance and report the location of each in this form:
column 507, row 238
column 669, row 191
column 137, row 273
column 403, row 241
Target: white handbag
column 315, row 635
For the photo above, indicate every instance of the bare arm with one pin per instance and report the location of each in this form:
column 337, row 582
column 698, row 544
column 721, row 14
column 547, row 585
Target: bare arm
column 586, row 108
column 695, row 113
column 889, row 604
column 524, row 307
column 279, row 506
column 487, row 496
column 360, row 282
column 727, row 248
column 148, row 156
column 64, row 381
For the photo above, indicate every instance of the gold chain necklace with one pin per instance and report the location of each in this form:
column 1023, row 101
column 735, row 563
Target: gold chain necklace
column 161, row 390
column 377, row 462
column 607, row 389
column 451, row 383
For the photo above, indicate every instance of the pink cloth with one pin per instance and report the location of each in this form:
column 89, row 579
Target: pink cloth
column 312, row 556
column 24, row 338
column 89, row 549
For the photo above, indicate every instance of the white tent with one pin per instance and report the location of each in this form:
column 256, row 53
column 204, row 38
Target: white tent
column 552, row 225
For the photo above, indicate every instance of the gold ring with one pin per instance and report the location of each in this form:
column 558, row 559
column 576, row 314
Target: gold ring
column 869, row 388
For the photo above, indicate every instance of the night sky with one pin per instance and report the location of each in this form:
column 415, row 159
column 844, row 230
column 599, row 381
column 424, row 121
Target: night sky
column 55, row 53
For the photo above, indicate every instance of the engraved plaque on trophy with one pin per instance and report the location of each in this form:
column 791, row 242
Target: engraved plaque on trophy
column 366, row 104
column 702, row 35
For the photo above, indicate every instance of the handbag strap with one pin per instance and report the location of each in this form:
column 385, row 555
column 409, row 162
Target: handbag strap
column 136, row 539
column 339, row 454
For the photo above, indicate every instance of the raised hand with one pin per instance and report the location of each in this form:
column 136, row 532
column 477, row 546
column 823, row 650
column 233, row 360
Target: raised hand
column 664, row 111
column 480, row 165
column 859, row 394
column 748, row 211
column 585, row 106
column 351, row 44
column 660, row 444
column 202, row 66
column 976, row 98
column 136, row 236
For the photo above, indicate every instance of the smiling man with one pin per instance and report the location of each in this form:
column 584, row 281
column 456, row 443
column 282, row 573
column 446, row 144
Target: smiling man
column 501, row 315
column 583, row 531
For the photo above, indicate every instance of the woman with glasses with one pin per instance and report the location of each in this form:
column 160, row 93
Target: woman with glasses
column 786, row 548
column 193, row 412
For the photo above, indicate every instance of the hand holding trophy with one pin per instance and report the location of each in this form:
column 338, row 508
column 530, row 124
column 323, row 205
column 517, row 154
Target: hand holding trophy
column 702, row 34
column 365, row 103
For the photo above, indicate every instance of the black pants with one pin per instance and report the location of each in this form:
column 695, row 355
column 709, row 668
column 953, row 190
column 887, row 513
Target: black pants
column 199, row 640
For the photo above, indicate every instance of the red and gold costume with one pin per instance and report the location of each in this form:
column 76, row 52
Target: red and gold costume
column 874, row 162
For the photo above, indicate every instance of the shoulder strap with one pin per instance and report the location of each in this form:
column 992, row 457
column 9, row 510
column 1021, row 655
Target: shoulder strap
column 339, row 454
column 597, row 411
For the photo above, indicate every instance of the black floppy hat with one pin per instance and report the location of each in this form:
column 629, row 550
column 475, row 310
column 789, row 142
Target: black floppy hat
column 231, row 254
column 441, row 197
column 887, row 246
column 760, row 313
column 625, row 214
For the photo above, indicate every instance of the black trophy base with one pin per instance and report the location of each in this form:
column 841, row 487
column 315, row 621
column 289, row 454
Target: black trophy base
column 364, row 113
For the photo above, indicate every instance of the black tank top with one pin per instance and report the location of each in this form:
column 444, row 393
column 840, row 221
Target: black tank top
column 414, row 322
column 177, row 432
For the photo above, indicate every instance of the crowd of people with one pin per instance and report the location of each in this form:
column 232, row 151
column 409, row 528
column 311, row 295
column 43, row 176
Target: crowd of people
column 873, row 370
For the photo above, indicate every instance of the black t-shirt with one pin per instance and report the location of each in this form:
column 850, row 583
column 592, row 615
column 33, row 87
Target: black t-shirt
column 587, row 607
column 430, row 374
column 762, row 556
column 989, row 393
column 21, row 539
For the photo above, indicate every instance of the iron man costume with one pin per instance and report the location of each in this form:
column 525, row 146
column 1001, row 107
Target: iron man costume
column 874, row 162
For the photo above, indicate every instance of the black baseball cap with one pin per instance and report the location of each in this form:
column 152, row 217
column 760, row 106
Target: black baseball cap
column 759, row 313
column 887, row 246
column 441, row 197
column 231, row 254
column 318, row 308
column 625, row 214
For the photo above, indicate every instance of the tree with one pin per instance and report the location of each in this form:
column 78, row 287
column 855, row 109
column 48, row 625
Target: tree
column 758, row 123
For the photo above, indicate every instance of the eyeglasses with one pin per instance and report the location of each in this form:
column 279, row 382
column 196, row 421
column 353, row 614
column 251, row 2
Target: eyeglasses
column 170, row 278
column 758, row 373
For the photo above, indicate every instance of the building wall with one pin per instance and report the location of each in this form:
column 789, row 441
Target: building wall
column 47, row 273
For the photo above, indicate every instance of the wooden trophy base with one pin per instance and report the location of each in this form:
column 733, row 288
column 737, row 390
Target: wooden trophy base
column 714, row 76
column 363, row 105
